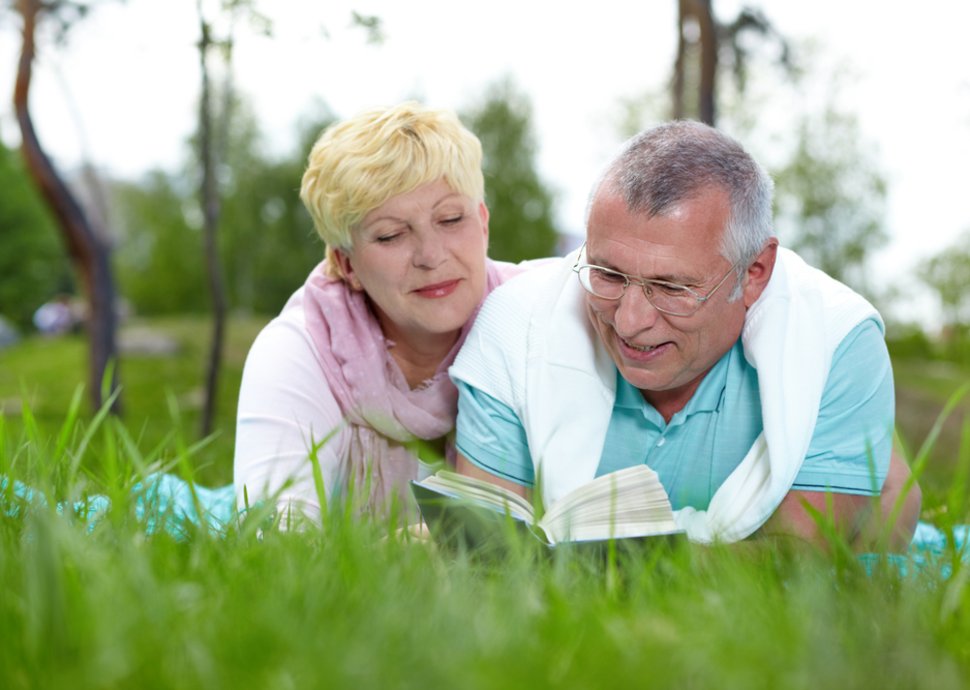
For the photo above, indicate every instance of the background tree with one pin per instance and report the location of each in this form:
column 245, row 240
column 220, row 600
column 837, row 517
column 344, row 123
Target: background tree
column 948, row 274
column 830, row 196
column 85, row 241
column 704, row 45
column 267, row 241
column 521, row 225
column 160, row 269
column 33, row 267
column 215, row 52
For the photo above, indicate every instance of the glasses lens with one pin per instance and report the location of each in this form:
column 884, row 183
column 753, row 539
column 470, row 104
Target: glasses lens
column 602, row 282
column 666, row 297
column 673, row 299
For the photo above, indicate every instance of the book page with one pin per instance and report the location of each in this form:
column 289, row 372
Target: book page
column 627, row 503
column 479, row 491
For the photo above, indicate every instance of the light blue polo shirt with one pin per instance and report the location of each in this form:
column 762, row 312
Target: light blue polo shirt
column 695, row 452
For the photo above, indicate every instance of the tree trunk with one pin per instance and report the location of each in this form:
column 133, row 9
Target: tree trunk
column 209, row 198
column 695, row 65
column 87, row 250
column 680, row 63
column 707, row 103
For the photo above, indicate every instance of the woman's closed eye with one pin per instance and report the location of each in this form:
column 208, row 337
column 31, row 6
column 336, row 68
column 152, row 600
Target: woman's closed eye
column 387, row 237
column 452, row 220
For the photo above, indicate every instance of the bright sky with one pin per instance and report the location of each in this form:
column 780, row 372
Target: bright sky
column 129, row 75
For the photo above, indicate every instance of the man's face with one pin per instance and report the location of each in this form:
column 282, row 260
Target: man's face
column 665, row 356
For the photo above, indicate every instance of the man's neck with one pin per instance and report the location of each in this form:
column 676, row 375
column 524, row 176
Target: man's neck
column 670, row 402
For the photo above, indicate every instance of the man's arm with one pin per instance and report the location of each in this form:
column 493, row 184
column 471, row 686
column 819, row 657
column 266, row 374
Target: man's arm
column 467, row 467
column 860, row 520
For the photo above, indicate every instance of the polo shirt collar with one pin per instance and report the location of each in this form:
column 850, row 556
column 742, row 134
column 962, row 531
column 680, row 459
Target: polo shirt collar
column 707, row 398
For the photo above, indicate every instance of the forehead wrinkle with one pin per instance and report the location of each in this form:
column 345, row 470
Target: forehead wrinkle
column 670, row 277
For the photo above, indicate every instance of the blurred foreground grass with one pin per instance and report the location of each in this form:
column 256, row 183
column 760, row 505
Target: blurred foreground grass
column 347, row 607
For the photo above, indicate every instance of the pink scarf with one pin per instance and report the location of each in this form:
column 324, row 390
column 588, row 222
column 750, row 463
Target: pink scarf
column 384, row 414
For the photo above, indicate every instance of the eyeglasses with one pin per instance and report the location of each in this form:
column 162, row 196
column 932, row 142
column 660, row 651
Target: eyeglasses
column 669, row 298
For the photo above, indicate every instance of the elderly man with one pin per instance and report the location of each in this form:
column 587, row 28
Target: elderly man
column 682, row 337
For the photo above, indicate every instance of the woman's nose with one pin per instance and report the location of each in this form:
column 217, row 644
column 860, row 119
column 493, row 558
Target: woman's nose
column 429, row 251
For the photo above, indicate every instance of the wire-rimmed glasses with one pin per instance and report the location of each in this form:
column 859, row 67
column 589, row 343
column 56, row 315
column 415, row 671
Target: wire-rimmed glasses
column 669, row 298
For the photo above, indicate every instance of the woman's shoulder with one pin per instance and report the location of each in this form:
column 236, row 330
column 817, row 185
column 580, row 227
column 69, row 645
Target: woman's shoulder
column 285, row 340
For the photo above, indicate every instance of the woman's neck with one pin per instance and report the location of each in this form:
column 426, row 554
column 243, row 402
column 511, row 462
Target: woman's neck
column 418, row 355
column 420, row 362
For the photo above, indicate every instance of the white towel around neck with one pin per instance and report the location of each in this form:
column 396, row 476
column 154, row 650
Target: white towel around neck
column 533, row 349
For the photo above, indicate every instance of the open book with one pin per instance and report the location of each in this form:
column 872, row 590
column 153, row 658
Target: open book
column 627, row 503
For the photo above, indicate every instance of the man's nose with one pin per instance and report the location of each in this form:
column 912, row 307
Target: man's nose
column 634, row 312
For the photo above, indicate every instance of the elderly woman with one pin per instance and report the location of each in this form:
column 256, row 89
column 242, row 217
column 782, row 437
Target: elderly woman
column 352, row 375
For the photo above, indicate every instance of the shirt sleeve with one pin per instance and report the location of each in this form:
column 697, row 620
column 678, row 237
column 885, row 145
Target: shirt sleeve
column 286, row 412
column 850, row 448
column 490, row 436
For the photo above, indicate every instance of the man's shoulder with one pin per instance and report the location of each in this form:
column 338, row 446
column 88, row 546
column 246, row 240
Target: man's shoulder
column 527, row 285
column 510, row 308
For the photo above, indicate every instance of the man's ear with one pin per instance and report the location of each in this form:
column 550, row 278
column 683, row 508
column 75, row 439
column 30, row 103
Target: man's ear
column 759, row 272
column 346, row 269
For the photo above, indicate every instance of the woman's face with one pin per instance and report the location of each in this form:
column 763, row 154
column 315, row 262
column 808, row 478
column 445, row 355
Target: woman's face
column 420, row 257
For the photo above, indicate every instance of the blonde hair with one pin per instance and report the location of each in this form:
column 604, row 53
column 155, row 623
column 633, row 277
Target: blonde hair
column 358, row 164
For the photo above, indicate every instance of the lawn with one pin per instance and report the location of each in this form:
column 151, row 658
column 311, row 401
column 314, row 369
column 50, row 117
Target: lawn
column 163, row 393
column 161, row 372
column 923, row 389
column 107, row 604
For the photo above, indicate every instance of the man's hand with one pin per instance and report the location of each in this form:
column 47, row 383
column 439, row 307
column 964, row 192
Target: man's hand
column 860, row 520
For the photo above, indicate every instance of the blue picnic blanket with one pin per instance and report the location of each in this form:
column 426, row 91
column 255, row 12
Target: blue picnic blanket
column 161, row 502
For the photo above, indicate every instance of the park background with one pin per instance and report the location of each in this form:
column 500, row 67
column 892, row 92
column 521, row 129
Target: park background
column 867, row 144
column 180, row 131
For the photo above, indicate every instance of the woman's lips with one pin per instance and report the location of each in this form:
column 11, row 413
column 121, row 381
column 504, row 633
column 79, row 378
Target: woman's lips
column 437, row 290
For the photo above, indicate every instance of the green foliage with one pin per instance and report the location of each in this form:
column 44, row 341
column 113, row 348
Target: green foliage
column 521, row 225
column 266, row 238
column 33, row 265
column 160, row 257
column 923, row 387
column 830, row 196
column 948, row 274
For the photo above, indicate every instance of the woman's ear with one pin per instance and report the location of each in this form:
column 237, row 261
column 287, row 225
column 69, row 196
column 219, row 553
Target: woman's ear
column 345, row 268
column 483, row 215
column 759, row 272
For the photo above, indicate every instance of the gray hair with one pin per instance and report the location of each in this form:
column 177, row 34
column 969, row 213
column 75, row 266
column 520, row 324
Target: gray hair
column 674, row 162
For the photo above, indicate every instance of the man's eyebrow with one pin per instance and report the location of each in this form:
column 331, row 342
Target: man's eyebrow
column 677, row 279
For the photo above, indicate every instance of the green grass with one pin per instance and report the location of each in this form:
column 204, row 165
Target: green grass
column 162, row 393
column 348, row 606
column 922, row 389
column 49, row 372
